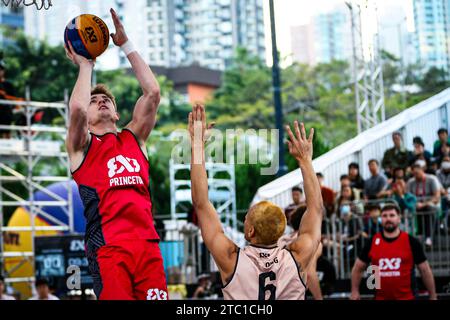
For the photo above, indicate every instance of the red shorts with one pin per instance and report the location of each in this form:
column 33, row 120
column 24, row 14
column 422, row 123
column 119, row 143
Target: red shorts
column 129, row 270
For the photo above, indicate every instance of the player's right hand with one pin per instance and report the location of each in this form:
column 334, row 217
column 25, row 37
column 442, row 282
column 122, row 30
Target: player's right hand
column 300, row 146
column 120, row 36
column 76, row 58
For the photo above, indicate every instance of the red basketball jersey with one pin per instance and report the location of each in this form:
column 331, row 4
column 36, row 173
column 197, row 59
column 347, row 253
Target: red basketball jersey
column 113, row 182
column 396, row 265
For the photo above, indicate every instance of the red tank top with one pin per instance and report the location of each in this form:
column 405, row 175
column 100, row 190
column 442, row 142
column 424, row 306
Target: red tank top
column 396, row 264
column 113, row 181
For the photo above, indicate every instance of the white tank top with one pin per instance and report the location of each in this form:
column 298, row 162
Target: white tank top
column 287, row 239
column 265, row 274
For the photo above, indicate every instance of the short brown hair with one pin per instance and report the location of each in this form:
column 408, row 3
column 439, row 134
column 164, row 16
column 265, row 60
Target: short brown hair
column 397, row 133
column 269, row 222
column 371, row 207
column 103, row 89
column 391, row 206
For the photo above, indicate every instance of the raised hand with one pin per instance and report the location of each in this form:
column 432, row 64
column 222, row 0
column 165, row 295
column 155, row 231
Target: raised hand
column 300, row 146
column 198, row 130
column 119, row 37
column 76, row 58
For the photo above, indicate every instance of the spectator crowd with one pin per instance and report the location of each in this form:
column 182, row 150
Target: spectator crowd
column 417, row 180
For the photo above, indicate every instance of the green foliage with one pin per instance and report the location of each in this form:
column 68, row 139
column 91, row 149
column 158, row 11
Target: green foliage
column 322, row 96
column 244, row 95
column 434, row 80
column 126, row 90
column 45, row 69
column 248, row 180
column 159, row 175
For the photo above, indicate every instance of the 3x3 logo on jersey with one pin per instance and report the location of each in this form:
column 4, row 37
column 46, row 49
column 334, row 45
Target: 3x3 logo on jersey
column 156, row 294
column 121, row 164
column 390, row 267
column 390, row 264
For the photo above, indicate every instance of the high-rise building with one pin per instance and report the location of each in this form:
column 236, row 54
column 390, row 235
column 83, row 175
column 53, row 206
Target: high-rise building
column 302, row 44
column 167, row 33
column 327, row 37
column 410, row 56
column 11, row 19
column 393, row 30
column 332, row 35
column 50, row 24
column 204, row 32
column 432, row 23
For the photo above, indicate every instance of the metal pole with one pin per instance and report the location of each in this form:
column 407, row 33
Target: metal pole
column 355, row 68
column 277, row 93
column 402, row 63
column 69, row 181
column 379, row 61
column 29, row 110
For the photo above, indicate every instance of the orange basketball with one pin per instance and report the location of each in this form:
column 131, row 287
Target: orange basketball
column 88, row 34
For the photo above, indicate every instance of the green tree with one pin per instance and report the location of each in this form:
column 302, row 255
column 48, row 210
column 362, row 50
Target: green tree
column 245, row 94
column 43, row 68
column 434, row 80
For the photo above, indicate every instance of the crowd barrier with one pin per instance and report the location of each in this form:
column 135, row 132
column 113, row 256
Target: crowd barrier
column 343, row 237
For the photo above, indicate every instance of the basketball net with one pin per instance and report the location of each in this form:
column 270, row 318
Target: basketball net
column 46, row 4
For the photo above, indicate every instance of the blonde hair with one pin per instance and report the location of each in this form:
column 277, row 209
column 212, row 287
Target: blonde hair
column 103, row 89
column 269, row 222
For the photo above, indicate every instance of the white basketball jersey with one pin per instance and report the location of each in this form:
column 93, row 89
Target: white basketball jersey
column 265, row 274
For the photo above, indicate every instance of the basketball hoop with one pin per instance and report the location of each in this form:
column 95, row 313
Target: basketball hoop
column 46, row 4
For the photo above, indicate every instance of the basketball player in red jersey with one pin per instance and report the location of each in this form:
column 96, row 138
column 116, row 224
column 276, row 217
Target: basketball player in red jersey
column 112, row 172
column 262, row 270
column 395, row 253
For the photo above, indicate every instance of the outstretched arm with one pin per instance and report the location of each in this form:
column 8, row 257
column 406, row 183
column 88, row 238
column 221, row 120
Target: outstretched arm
column 77, row 135
column 357, row 275
column 221, row 247
column 144, row 114
column 312, row 278
column 300, row 147
column 428, row 279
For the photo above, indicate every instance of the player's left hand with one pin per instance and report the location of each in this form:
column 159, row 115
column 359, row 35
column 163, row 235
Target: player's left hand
column 119, row 37
column 197, row 124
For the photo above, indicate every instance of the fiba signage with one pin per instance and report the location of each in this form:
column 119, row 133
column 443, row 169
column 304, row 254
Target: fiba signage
column 62, row 260
column 77, row 245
